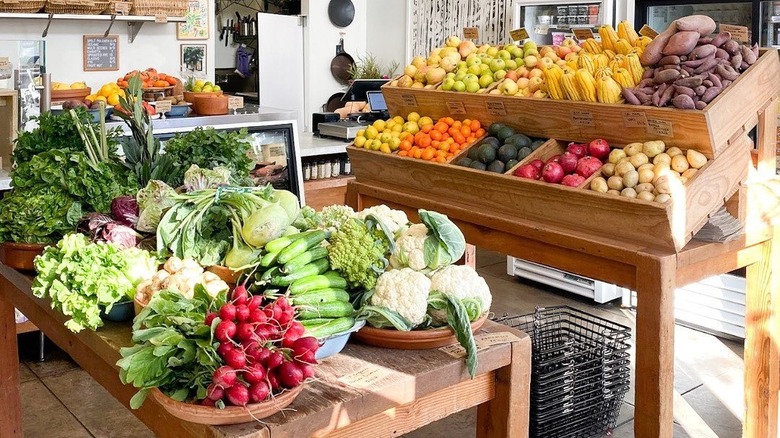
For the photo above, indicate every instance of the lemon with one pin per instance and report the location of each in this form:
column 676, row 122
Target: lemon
column 398, row 128
column 385, row 137
column 425, row 121
column 208, row 88
column 106, row 90
column 413, row 117
column 395, row 143
column 216, row 88
column 197, row 89
column 122, row 93
column 91, row 97
column 361, row 133
column 360, row 141
column 375, row 145
column 113, row 99
column 411, row 127
column 399, row 120
column 100, row 99
column 199, row 83
column 379, row 125
column 371, row 132
column 390, row 123
column 384, row 147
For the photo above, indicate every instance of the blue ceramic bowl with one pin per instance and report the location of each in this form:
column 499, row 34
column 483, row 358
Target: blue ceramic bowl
column 333, row 344
column 120, row 312
column 94, row 112
column 178, row 111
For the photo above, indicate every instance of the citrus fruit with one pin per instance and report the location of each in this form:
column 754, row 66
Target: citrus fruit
column 413, row 117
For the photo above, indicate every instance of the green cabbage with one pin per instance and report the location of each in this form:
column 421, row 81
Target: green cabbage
column 153, row 199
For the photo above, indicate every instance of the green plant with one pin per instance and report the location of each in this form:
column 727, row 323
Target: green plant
column 367, row 67
column 208, row 149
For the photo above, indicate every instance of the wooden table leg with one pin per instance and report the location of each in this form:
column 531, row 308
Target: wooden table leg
column 655, row 348
column 762, row 346
column 10, row 398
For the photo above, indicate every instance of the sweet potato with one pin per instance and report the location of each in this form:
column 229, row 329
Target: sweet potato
column 665, row 76
column 700, row 90
column 707, row 83
column 700, row 105
column 681, row 43
column 703, row 51
column 744, row 65
column 702, row 24
column 731, row 46
column 736, row 60
column 666, row 97
column 668, row 67
column 715, row 80
column 656, row 98
column 643, row 97
column 704, row 40
column 647, row 90
column 688, row 70
column 648, row 74
column 748, row 55
column 722, row 54
column 690, row 82
column 630, row 97
column 694, row 62
column 721, row 38
column 726, row 72
column 669, row 60
column 710, row 94
column 645, row 83
column 706, row 66
column 726, row 83
column 684, row 90
column 683, row 102
column 653, row 52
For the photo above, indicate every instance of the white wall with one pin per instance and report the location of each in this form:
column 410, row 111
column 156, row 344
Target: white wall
column 388, row 42
column 154, row 46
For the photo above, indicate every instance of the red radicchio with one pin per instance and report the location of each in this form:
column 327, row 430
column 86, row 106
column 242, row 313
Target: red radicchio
column 125, row 210
column 102, row 228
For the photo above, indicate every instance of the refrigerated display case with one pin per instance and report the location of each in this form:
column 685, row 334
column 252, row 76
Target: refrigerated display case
column 769, row 24
column 658, row 14
column 550, row 21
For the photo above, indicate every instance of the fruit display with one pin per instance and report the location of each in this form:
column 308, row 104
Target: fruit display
column 420, row 137
column 109, row 93
column 689, row 68
column 621, row 42
column 571, row 168
column 500, row 151
column 649, row 171
column 150, row 79
column 57, row 86
column 200, row 86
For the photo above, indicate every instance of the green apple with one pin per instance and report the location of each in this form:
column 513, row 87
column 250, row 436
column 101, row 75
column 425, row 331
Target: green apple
column 450, row 75
column 460, row 74
column 492, row 51
column 508, row 87
column 459, row 86
column 447, row 84
column 472, row 87
column 485, row 80
column 511, row 64
column 485, row 68
column 470, row 78
column 461, row 65
column 520, row 62
column 476, row 69
column 473, row 60
column 516, row 52
column 529, row 45
column 497, row 64
column 504, row 54
column 216, row 88
column 500, row 74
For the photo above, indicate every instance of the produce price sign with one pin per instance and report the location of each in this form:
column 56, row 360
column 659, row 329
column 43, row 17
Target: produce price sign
column 160, row 18
column 471, row 33
column 582, row 34
column 235, row 102
column 163, row 106
column 541, row 29
column 456, row 108
column 483, row 341
column 496, row 108
column 739, row 33
column 660, row 128
column 582, row 118
column 648, row 31
column 634, row 119
column 365, row 377
column 519, row 34
column 409, row 99
column 101, row 53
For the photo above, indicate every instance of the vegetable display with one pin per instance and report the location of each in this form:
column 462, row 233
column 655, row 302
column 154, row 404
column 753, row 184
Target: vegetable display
column 182, row 276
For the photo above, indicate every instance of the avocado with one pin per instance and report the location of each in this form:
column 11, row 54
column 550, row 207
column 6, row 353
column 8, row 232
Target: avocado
column 473, row 153
column 519, row 140
column 535, row 145
column 486, row 153
column 493, row 141
column 464, row 161
column 477, row 165
column 511, row 163
column 496, row 166
column 505, row 133
column 523, row 152
column 495, row 127
column 507, row 152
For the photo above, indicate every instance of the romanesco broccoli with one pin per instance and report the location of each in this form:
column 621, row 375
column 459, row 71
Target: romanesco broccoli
column 357, row 253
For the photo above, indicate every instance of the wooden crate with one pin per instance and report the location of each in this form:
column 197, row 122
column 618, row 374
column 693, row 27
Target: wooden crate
column 709, row 131
column 9, row 120
column 667, row 226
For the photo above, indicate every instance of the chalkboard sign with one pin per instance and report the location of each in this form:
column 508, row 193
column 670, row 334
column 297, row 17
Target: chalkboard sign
column 101, row 53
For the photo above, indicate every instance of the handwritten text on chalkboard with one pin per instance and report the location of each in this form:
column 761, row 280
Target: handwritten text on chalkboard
column 101, row 53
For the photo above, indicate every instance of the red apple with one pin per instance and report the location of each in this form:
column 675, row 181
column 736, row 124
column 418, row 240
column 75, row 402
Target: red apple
column 528, row 171
column 578, row 149
column 572, row 180
column 599, row 148
column 587, row 166
column 552, row 172
column 512, row 74
column 538, row 164
column 568, row 162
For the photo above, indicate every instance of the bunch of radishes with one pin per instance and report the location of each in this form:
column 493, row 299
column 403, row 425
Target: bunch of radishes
column 572, row 168
column 263, row 349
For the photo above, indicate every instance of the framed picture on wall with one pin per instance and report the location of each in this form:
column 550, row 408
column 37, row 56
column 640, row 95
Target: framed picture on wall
column 196, row 21
column 193, row 57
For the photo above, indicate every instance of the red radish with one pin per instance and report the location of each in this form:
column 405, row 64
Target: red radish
column 273, row 380
column 255, row 301
column 306, row 369
column 274, row 360
column 587, row 166
column 242, row 313
column 224, row 376
column 269, row 312
column 264, row 331
column 572, row 180
column 235, row 359
column 302, row 346
column 578, row 149
column 290, row 375
column 224, row 347
column 258, row 355
column 240, row 295
column 208, row 402
column 227, row 312
column 282, row 303
column 528, row 171
column 552, row 172
column 254, row 373
column 538, row 164
column 553, row 159
column 210, row 318
column 215, row 392
column 259, row 392
column 238, row 395
column 225, row 331
column 568, row 162
column 599, row 148
column 257, row 315
column 277, row 312
column 245, row 332
column 286, row 316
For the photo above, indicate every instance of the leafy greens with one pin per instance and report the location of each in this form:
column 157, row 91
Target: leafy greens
column 209, row 148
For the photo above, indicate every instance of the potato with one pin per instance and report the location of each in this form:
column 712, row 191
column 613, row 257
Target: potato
column 680, row 163
column 632, row 149
column 672, row 151
column 696, row 159
column 662, row 198
column 653, row 148
column 613, row 192
column 628, row 192
column 639, row 159
column 645, row 166
column 599, row 184
column 662, row 185
column 615, row 183
column 616, row 155
column 689, row 173
column 662, row 157
column 681, row 43
column 683, row 180
column 660, row 170
column 645, row 196
column 624, row 167
column 608, row 169
column 630, row 178
column 701, row 24
column 644, row 187
column 646, row 175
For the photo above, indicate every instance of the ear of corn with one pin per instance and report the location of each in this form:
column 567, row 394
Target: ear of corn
column 607, row 90
column 634, row 66
column 569, row 86
column 586, row 85
column 623, row 78
column 552, row 77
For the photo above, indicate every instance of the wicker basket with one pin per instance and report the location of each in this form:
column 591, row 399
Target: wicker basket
column 115, row 5
column 21, row 6
column 169, row 8
column 83, row 7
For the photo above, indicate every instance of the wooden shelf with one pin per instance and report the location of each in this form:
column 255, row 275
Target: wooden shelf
column 328, row 183
column 328, row 191
column 25, row 327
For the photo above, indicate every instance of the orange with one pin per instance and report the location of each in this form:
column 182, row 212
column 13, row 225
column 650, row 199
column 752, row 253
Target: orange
column 427, row 154
column 161, row 83
column 480, row 132
column 435, row 135
column 444, row 147
column 424, row 141
column 402, row 153
column 466, row 122
column 449, row 120
column 426, row 128
column 441, row 160
column 405, row 145
column 475, row 125
column 465, row 131
column 441, row 127
column 417, row 153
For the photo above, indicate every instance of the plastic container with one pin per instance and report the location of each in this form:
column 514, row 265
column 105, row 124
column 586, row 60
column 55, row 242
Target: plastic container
column 120, row 312
column 558, row 37
column 333, row 344
column 563, row 10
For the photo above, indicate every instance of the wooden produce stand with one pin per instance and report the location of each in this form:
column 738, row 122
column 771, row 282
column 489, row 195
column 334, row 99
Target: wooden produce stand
column 361, row 392
column 644, row 246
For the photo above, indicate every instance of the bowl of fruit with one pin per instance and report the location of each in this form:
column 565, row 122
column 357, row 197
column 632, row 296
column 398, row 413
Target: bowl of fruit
column 194, row 88
column 61, row 91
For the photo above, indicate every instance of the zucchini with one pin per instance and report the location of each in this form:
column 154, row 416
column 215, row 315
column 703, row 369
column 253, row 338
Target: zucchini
column 331, row 327
column 306, row 323
column 269, row 259
column 330, row 309
column 314, row 268
column 300, row 246
column 317, row 282
column 320, row 296
column 281, row 243
column 316, row 253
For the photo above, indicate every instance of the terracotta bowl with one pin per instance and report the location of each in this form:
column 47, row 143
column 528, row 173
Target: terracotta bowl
column 211, row 105
column 20, row 255
column 227, row 275
column 412, row 340
column 230, row 414
column 189, row 96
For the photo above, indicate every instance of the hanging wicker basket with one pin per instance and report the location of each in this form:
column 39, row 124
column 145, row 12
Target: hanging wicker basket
column 82, row 7
column 169, row 8
column 21, row 6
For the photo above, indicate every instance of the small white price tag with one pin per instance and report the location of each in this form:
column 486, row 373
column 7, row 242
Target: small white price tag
column 541, row 29
column 163, row 106
column 235, row 102
column 519, row 34
column 471, row 33
column 160, row 18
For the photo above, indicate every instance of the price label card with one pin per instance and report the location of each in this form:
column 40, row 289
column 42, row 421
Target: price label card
column 163, row 106
column 582, row 118
column 235, row 102
column 456, row 108
column 739, row 33
column 519, row 34
column 660, row 128
column 483, row 341
column 541, row 29
column 409, row 99
column 634, row 119
column 648, row 31
column 496, row 108
column 160, row 18
column 471, row 33
column 4, row 62
column 365, row 377
column 122, row 8
column 582, row 34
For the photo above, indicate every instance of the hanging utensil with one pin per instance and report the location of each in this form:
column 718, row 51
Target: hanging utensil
column 341, row 12
column 341, row 64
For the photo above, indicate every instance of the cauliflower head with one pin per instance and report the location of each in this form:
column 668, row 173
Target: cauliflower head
column 404, row 291
column 334, row 216
column 394, row 220
column 357, row 254
column 410, row 248
column 462, row 282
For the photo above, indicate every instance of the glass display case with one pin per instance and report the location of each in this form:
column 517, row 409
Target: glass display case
column 549, row 22
column 658, row 14
column 21, row 66
column 769, row 24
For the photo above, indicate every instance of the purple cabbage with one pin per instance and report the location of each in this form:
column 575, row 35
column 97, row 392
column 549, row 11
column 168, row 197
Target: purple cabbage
column 102, row 228
column 125, row 210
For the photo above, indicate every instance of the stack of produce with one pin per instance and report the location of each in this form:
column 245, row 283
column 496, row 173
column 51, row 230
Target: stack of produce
column 596, row 78
column 181, row 276
column 150, row 78
column 109, row 93
column 689, row 68
column 621, row 42
column 649, row 171
column 501, row 151
column 572, row 168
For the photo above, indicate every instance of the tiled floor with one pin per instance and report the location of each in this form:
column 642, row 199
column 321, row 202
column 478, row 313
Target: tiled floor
column 61, row 400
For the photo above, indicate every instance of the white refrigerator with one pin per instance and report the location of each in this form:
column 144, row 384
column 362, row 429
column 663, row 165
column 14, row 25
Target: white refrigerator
column 550, row 21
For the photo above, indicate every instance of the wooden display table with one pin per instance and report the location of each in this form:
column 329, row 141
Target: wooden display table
column 362, row 392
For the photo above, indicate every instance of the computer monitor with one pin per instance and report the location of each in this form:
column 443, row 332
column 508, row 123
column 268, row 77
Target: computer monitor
column 357, row 91
column 376, row 100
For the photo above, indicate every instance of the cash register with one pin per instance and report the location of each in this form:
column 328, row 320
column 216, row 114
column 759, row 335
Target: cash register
column 361, row 90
